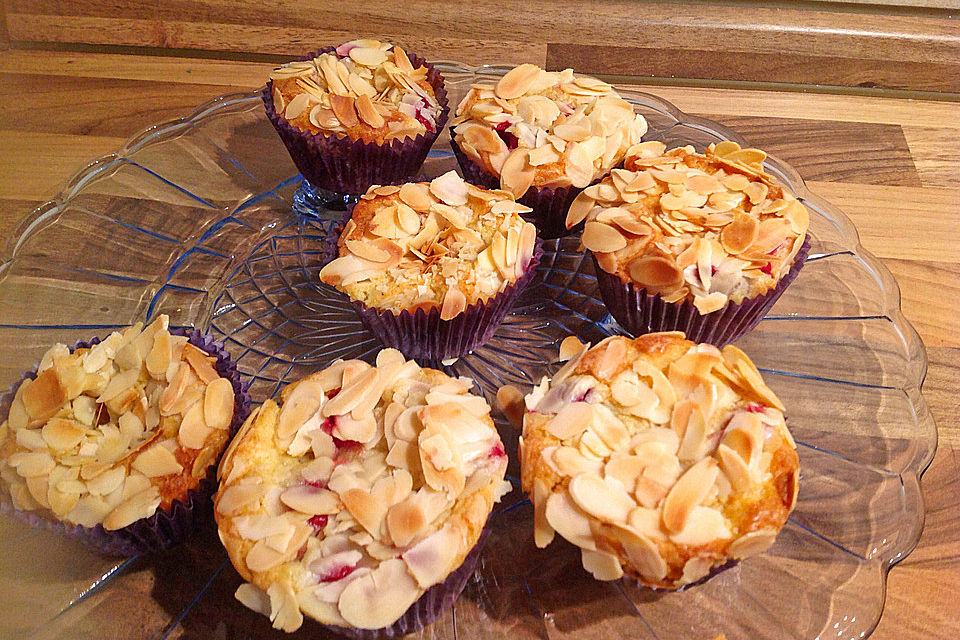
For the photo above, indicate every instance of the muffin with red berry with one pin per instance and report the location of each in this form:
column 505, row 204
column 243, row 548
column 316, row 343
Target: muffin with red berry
column 360, row 499
column 543, row 136
column 359, row 114
column 700, row 243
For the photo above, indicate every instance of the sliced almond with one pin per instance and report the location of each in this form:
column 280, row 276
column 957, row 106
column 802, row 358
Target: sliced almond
column 517, row 174
column 752, row 543
column 158, row 359
column 218, row 400
column 454, row 303
column 430, row 560
column 310, row 500
column 571, row 421
column 199, row 361
column 601, row 565
column 61, row 434
column 353, row 393
column 517, row 81
column 689, row 491
column 156, row 461
column 379, row 598
column 604, row 499
column 137, row 507
column 368, row 113
column 567, row 519
column 510, row 401
column 194, row 429
column 344, row 108
column 43, row 396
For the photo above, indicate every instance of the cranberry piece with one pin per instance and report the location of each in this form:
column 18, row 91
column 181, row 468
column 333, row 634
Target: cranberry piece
column 713, row 270
column 755, row 408
column 318, row 523
column 497, row 451
column 337, row 574
column 508, row 138
column 424, row 122
column 319, row 484
column 767, row 269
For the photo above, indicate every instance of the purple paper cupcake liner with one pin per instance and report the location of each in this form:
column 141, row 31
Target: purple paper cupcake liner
column 345, row 166
column 549, row 204
column 425, row 336
column 429, row 606
column 639, row 313
column 165, row 528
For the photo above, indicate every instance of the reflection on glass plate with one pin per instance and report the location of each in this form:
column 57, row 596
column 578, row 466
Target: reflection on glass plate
column 193, row 218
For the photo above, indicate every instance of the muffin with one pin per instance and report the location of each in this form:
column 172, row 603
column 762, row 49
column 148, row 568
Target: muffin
column 700, row 243
column 433, row 267
column 543, row 136
column 360, row 499
column 662, row 459
column 115, row 442
column 359, row 114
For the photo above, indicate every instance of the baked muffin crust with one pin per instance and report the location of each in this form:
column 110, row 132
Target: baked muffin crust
column 364, row 89
column 707, row 228
column 111, row 433
column 366, row 487
column 444, row 244
column 546, row 129
column 662, row 459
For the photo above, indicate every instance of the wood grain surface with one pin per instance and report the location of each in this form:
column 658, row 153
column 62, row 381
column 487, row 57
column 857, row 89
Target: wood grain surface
column 888, row 163
column 817, row 44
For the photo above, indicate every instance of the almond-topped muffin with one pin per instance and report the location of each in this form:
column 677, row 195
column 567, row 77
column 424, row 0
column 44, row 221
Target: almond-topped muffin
column 445, row 251
column 359, row 105
column 114, row 433
column 363, row 491
column 543, row 136
column 704, row 243
column 661, row 458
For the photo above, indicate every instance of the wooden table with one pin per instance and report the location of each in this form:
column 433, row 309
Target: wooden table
column 888, row 163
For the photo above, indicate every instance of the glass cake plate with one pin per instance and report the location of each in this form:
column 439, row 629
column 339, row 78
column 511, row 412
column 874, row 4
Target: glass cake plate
column 193, row 218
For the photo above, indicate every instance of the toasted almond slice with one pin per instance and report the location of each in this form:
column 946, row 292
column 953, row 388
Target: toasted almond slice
column 417, row 196
column 353, row 392
column 137, row 507
column 156, row 461
column 517, row 81
column 454, row 303
column 379, row 598
column 604, row 499
column 430, row 560
column 344, row 108
column 579, row 208
column 43, row 396
column 643, row 553
column 297, row 105
column 690, row 424
column 61, row 434
column 688, row 492
column 310, row 500
column 199, row 361
column 735, row 468
column 193, row 428
column 405, row 521
column 571, row 421
column 401, row 60
column 752, row 543
column 601, row 565
column 365, row 509
column 516, row 174
column 218, row 400
column 158, row 359
column 368, row 113
column 510, row 401
column 567, row 519
column 368, row 56
column 262, row 557
column 569, row 347
column 449, row 189
column 32, row 463
column 602, row 238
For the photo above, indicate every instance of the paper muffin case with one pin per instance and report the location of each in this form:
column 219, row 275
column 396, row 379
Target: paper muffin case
column 425, row 336
column 549, row 204
column 347, row 166
column 165, row 528
column 429, row 606
column 639, row 313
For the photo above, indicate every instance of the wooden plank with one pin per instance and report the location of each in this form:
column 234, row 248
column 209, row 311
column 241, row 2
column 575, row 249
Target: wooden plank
column 940, row 392
column 11, row 212
column 913, row 51
column 827, row 106
column 35, row 166
column 934, row 151
column 96, row 106
column 899, row 222
column 832, row 151
column 285, row 41
column 4, row 34
column 923, row 281
column 704, row 64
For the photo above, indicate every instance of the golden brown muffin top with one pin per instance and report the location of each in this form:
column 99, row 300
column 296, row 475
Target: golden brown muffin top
column 365, row 89
column 107, row 434
column 366, row 487
column 444, row 244
column 546, row 129
column 659, row 457
column 709, row 228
